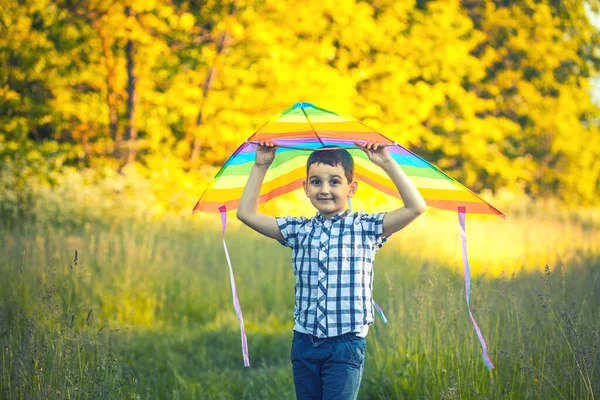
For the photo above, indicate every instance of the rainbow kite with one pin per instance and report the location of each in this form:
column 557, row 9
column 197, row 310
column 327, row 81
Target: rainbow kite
column 304, row 128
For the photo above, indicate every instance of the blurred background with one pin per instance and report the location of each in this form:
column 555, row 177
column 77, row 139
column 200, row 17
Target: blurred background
column 115, row 115
column 107, row 95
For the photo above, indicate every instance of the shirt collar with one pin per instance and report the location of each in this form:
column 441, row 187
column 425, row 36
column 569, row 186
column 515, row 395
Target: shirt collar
column 336, row 217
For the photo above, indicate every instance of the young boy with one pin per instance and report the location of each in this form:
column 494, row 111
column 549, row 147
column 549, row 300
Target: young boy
column 333, row 256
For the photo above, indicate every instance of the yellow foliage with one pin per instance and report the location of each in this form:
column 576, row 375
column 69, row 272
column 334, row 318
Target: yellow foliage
column 495, row 93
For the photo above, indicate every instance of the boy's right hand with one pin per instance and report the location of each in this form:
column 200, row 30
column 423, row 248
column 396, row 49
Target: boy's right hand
column 265, row 153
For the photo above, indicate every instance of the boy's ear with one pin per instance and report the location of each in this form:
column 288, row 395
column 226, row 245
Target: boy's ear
column 304, row 186
column 353, row 188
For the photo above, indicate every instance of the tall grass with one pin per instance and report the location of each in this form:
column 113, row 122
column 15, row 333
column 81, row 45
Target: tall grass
column 49, row 349
column 134, row 310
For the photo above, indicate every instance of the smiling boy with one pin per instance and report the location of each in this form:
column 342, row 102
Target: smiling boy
column 332, row 255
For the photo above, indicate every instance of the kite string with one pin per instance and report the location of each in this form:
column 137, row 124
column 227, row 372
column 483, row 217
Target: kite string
column 236, row 302
column 463, row 236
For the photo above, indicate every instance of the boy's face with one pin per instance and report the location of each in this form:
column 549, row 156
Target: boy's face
column 328, row 189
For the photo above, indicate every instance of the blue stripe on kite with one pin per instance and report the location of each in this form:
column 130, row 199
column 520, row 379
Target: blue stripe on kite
column 410, row 160
column 241, row 158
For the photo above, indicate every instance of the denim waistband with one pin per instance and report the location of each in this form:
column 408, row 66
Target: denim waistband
column 332, row 339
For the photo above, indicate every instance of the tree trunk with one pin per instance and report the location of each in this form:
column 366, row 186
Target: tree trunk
column 87, row 150
column 132, row 99
column 111, row 94
column 222, row 42
column 197, row 139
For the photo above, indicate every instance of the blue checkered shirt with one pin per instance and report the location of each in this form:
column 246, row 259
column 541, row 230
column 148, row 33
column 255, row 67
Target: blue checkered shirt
column 333, row 266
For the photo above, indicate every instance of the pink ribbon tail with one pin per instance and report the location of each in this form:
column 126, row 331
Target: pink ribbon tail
column 236, row 302
column 380, row 311
column 463, row 236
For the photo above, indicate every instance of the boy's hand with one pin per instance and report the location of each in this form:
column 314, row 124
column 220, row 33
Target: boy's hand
column 265, row 153
column 378, row 154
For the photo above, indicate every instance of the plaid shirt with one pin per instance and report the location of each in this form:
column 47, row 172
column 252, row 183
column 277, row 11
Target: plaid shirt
column 333, row 265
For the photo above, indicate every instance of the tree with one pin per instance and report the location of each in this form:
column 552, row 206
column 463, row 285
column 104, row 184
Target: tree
column 539, row 59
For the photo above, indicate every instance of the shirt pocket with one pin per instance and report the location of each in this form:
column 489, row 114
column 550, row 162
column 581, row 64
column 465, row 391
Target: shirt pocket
column 348, row 252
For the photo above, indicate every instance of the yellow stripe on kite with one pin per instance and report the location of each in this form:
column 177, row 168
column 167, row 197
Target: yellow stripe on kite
column 236, row 181
column 450, row 195
column 292, row 127
column 223, row 195
column 368, row 169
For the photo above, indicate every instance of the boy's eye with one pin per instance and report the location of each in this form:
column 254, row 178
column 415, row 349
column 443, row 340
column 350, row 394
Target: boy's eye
column 315, row 182
column 335, row 182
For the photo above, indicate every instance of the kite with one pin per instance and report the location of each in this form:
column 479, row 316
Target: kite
column 304, row 128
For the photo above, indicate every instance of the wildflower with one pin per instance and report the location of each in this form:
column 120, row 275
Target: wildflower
column 530, row 358
column 535, row 380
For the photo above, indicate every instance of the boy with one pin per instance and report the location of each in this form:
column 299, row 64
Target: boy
column 333, row 256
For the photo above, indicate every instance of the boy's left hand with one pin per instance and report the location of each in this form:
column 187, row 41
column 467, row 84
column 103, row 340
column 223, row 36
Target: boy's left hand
column 378, row 154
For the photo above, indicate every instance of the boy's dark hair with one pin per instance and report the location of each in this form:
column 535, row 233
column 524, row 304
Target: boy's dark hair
column 333, row 157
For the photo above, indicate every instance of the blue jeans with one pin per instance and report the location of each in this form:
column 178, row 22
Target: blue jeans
column 328, row 368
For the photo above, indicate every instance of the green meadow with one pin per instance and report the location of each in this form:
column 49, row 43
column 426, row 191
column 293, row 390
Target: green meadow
column 135, row 310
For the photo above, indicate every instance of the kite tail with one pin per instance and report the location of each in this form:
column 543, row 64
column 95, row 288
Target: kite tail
column 380, row 311
column 463, row 236
column 236, row 302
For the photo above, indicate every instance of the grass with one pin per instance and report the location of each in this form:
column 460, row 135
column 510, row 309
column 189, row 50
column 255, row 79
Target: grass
column 144, row 311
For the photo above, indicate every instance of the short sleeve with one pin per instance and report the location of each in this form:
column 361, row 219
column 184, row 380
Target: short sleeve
column 372, row 226
column 289, row 227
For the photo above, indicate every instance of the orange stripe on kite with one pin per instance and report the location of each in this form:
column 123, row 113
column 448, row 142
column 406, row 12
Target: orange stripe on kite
column 210, row 206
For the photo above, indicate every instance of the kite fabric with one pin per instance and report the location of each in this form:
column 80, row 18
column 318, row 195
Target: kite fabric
column 304, row 128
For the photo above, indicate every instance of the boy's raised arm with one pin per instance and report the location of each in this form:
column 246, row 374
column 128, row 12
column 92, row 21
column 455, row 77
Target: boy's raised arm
column 414, row 204
column 248, row 209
